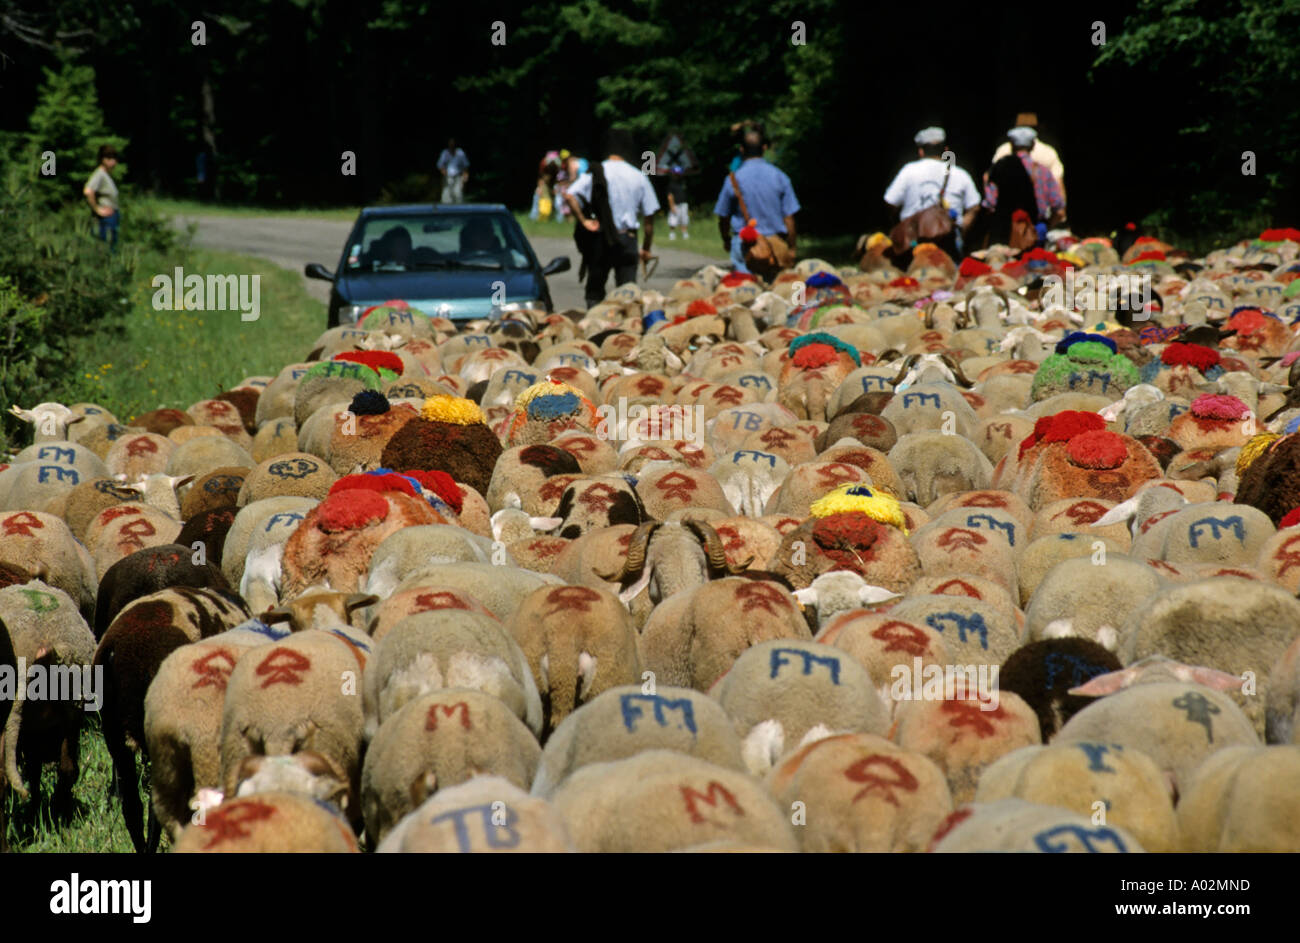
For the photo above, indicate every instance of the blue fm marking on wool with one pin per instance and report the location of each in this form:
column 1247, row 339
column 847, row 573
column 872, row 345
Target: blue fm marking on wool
column 60, row 454
column 491, row 831
column 920, row 398
column 993, row 524
column 972, row 623
column 756, row 456
column 809, row 659
column 579, row 359
column 1080, row 669
column 519, row 376
column 1085, row 836
column 632, row 711
column 284, row 517
column 753, row 421
column 1093, row 375
column 879, row 382
column 1234, row 524
column 59, row 472
column 481, row 339
column 1096, row 753
column 755, row 379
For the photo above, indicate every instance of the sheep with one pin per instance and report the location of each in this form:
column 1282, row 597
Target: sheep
column 670, row 488
column 807, row 482
column 630, row 720
column 140, row 455
column 123, row 529
column 89, row 498
column 45, row 629
column 981, row 541
column 1043, row 674
column 1081, row 598
column 1282, row 710
column 322, row 609
column 864, row 428
column 660, row 800
column 973, row 630
column 1234, row 625
column 932, row 464
column 205, row 534
column 46, row 548
column 840, row 591
column 414, row 550
column 268, row 822
column 292, row 473
column 499, row 589
column 51, row 420
column 579, row 642
column 1203, row 533
column 435, row 743
column 448, row 648
column 1018, row 825
column 693, row 638
column 198, row 456
column 1242, row 799
column 595, row 455
column 964, row 735
column 662, row 560
column 149, row 571
column 878, row 552
column 782, row 693
column 137, row 642
column 220, row 487
column 521, row 475
column 300, row 694
column 260, row 523
column 596, row 501
column 1080, row 775
column 158, row 491
column 486, row 814
column 50, row 469
column 1176, row 723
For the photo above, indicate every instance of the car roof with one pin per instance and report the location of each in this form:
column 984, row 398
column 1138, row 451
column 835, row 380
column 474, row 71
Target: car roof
column 434, row 209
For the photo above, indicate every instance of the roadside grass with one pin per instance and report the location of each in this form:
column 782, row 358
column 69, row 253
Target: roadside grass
column 151, row 359
column 96, row 824
column 177, row 207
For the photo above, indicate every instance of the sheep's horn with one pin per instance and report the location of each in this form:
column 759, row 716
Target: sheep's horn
column 1006, row 299
column 357, row 600
column 888, row 356
column 908, row 362
column 713, row 549
column 272, row 616
column 636, row 550
column 955, row 366
column 929, row 314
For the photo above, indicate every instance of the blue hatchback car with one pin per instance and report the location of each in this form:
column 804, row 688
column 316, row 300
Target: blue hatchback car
column 458, row 261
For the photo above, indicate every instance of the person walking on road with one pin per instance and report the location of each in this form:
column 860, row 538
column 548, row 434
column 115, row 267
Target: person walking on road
column 1040, row 153
column 101, row 193
column 1019, row 184
column 616, row 196
column 679, row 211
column 768, row 196
column 454, row 166
column 921, row 184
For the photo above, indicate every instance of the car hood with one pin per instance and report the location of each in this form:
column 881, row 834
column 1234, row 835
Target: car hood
column 451, row 294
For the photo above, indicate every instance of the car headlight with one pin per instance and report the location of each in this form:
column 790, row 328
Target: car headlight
column 535, row 304
column 348, row 314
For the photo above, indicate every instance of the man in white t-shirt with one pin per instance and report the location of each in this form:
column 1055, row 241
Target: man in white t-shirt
column 628, row 196
column 918, row 185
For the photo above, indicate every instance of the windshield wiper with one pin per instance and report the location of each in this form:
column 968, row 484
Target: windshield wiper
column 458, row 263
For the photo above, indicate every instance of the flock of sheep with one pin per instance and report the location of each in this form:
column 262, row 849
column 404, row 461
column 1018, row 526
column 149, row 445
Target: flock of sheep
column 861, row 560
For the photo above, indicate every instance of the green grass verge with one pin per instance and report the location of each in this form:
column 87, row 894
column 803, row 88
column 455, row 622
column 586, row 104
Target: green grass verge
column 175, row 207
column 153, row 359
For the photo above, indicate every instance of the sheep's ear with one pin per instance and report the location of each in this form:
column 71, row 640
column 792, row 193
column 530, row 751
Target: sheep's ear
column 279, row 614
column 121, row 476
column 806, row 596
column 357, row 600
column 179, row 482
column 74, row 419
column 1118, row 514
column 24, row 414
column 1105, row 684
column 874, row 594
column 627, row 595
column 1210, row 677
column 545, row 523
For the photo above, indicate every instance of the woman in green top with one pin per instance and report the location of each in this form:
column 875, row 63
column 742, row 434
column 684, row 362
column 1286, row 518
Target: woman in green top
column 101, row 194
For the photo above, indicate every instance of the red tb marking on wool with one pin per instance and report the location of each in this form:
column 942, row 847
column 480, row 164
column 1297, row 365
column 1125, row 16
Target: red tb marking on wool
column 283, row 666
column 756, row 595
column 1084, row 512
column 690, row 795
column 140, row 445
column 955, row 537
column 228, row 822
column 903, row 779
column 836, row 474
column 970, row 714
column 426, row 602
column 448, row 710
column 134, row 531
column 676, row 487
column 599, row 498
column 577, row 598
column 963, row 589
column 902, row 637
column 213, row 669
column 1285, row 552
column 21, row 524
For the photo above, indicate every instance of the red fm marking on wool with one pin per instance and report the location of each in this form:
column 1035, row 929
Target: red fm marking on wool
column 964, row 589
column 729, row 394
column 21, row 524
column 1084, row 512
column 598, row 498
column 756, row 595
column 283, row 666
column 1285, row 552
column 228, row 822
column 676, row 487
column 213, row 669
column 902, row 637
column 133, row 532
column 140, row 445
column 571, row 598
column 837, row 473
column 970, row 714
column 431, row 719
column 690, row 795
column 903, row 779
column 426, row 602
column 955, row 537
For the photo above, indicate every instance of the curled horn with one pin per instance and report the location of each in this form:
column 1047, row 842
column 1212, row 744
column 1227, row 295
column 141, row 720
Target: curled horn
column 955, row 366
column 908, row 363
column 1006, row 300
column 929, row 314
column 636, row 549
column 713, row 549
column 893, row 353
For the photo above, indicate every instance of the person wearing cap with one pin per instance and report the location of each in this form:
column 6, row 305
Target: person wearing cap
column 918, row 184
column 769, row 197
column 1018, row 183
column 1041, row 152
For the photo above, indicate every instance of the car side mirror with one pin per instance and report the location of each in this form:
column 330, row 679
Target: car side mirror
column 316, row 270
column 555, row 266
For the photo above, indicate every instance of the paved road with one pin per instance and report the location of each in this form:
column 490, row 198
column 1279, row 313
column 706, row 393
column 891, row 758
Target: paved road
column 293, row 242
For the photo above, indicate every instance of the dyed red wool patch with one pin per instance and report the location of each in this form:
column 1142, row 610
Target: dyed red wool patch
column 350, row 510
column 374, row 359
column 441, row 484
column 1191, row 355
column 815, row 355
column 1061, row 427
column 388, row 482
column 1218, row 406
column 1098, row 449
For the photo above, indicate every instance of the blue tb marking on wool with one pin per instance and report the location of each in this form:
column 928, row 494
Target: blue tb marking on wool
column 1234, row 524
column 519, row 376
column 920, row 398
column 57, row 473
column 1093, row 840
column 753, row 421
column 755, row 456
column 779, row 659
column 52, row 453
column 992, row 523
column 1096, row 753
column 755, row 380
column 880, row 383
column 973, row 623
column 632, row 710
column 286, row 518
column 497, row 836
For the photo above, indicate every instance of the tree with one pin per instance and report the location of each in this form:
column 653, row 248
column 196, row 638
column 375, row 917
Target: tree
column 67, row 122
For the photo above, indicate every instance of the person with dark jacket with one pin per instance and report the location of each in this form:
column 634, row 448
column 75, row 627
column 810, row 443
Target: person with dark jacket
column 1018, row 184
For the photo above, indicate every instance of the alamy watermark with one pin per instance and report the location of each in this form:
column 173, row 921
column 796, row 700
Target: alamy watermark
column 946, row 683
column 75, row 683
column 181, row 292
column 675, row 423
column 1084, row 292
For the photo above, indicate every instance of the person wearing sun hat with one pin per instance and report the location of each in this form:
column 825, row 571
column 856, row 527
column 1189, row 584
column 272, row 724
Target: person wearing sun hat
column 919, row 183
column 1015, row 185
column 1041, row 153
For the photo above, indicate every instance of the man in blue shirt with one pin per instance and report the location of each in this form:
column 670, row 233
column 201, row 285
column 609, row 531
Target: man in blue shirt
column 768, row 194
column 454, row 166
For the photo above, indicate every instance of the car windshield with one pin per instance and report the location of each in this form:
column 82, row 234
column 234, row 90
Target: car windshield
column 430, row 242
